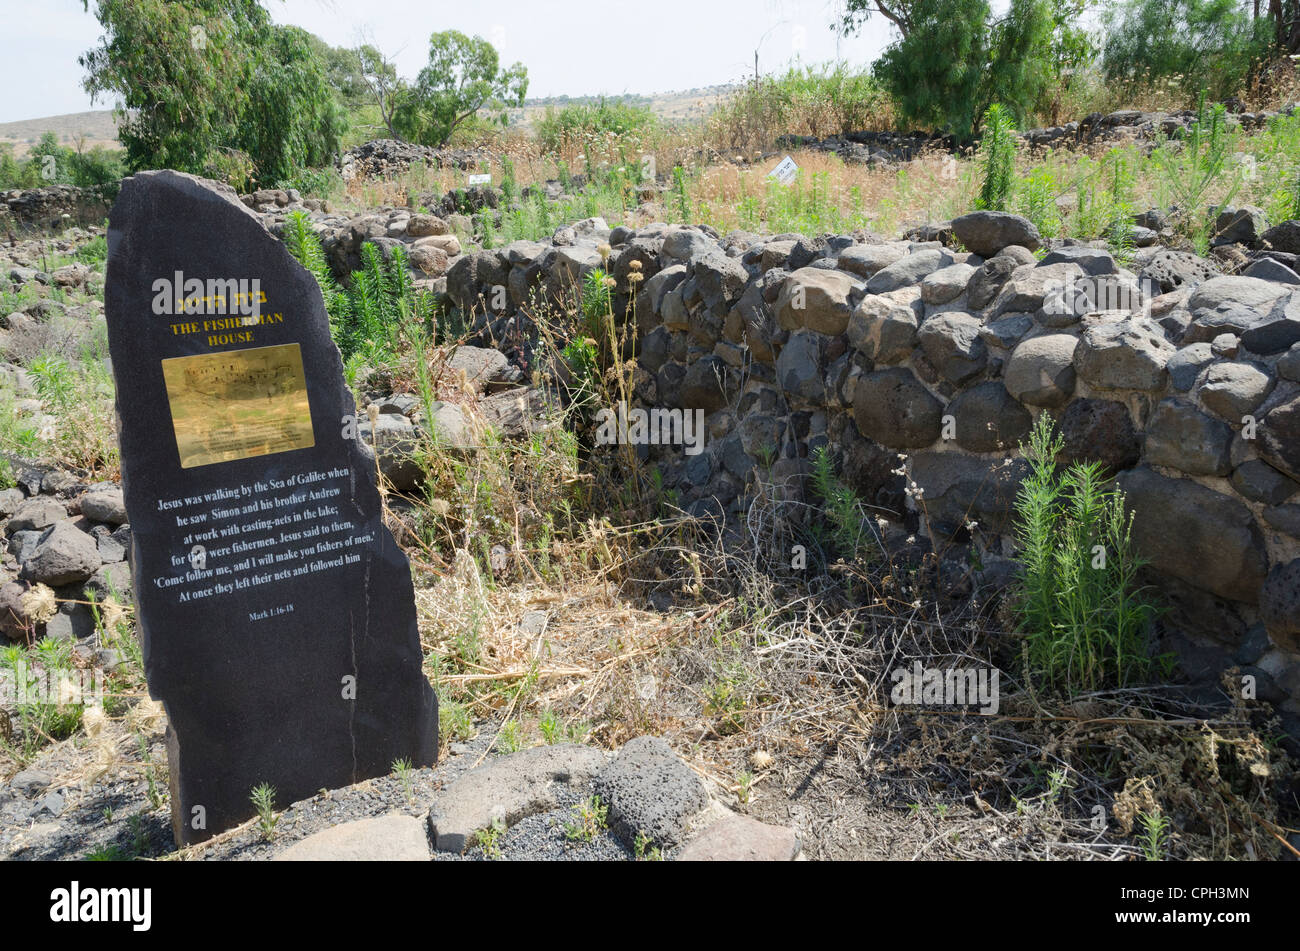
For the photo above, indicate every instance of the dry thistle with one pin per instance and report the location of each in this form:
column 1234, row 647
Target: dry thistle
column 39, row 603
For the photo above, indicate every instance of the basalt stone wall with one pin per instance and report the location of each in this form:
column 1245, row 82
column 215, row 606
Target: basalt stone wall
column 1095, row 129
column 53, row 207
column 921, row 368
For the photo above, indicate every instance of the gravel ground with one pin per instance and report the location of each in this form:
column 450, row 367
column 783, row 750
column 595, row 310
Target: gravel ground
column 74, row 817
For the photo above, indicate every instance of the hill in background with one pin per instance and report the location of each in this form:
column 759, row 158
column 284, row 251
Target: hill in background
column 98, row 127
column 92, row 128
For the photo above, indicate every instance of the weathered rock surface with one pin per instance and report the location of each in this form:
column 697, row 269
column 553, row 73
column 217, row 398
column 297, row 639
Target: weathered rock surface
column 650, row 792
column 508, row 789
column 391, row 838
column 1200, row 536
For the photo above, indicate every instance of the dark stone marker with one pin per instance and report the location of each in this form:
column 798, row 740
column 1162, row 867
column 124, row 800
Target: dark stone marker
column 276, row 611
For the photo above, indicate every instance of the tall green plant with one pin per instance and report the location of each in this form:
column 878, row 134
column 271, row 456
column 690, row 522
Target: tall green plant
column 368, row 316
column 997, row 159
column 212, row 87
column 1081, row 609
column 679, row 190
column 1196, row 167
column 846, row 525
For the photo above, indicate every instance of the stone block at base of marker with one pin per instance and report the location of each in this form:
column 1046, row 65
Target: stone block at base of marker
column 275, row 609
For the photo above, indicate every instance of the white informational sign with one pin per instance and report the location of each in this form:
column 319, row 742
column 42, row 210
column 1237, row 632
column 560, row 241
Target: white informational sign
column 785, row 172
column 480, row 179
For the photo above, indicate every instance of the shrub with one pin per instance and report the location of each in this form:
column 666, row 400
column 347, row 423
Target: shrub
column 809, row 100
column 564, row 129
column 847, row 526
column 41, row 718
column 1196, row 168
column 1192, row 44
column 1082, row 613
column 997, row 159
column 367, row 317
column 1105, row 192
column 79, row 398
column 319, row 182
column 250, row 102
column 956, row 59
column 1035, row 197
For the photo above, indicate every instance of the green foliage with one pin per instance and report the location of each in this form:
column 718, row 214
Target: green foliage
column 1023, row 64
column 263, row 799
column 1035, row 197
column 804, row 100
column 509, row 184
column 291, row 119
column 1196, row 167
column 1072, row 49
column 1106, row 191
column 645, row 850
column 463, row 76
column 590, row 818
column 380, row 77
column 488, row 839
column 934, row 72
column 344, row 72
column 16, row 437
column 1082, row 612
column 845, row 524
column 997, row 159
column 454, row 721
column 550, row 727
column 49, row 163
column 94, row 252
column 405, row 774
column 597, row 298
column 954, row 59
column 1154, row 838
column 212, row 87
column 511, row 737
column 314, row 182
column 1190, row 44
column 679, row 192
column 584, row 362
column 78, row 395
column 304, row 244
column 562, row 129
column 367, row 317
column 42, row 716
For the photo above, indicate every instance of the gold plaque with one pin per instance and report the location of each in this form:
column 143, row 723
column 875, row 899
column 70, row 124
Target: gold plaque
column 238, row 404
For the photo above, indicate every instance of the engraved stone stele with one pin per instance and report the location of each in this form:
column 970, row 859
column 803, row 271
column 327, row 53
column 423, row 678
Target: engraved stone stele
column 276, row 611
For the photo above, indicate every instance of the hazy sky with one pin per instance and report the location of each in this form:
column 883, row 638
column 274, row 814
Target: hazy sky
column 569, row 48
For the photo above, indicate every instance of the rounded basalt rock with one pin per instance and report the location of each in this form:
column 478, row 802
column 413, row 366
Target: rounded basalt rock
column 893, row 408
column 1279, row 605
column 1099, row 431
column 988, row 418
column 1041, row 371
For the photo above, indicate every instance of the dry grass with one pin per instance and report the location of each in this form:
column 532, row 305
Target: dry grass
column 776, row 689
